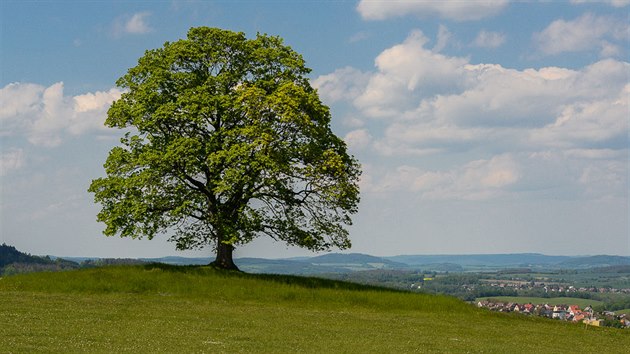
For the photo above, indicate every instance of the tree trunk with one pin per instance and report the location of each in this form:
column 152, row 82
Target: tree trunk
column 224, row 257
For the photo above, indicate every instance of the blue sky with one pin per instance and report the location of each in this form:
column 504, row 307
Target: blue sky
column 482, row 127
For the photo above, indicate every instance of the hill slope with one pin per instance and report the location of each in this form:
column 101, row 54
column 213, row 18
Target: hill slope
column 327, row 263
column 595, row 261
column 159, row 308
column 8, row 255
column 13, row 261
column 496, row 260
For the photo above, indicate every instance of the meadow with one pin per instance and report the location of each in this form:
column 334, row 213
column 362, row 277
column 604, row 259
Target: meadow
column 158, row 308
column 623, row 311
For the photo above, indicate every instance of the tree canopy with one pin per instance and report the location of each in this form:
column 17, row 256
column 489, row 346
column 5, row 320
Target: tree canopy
column 226, row 141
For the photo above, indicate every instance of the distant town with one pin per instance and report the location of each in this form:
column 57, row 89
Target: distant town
column 553, row 288
column 571, row 313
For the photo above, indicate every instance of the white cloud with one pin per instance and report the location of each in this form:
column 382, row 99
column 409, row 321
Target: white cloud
column 609, row 50
column 407, row 72
column 487, row 39
column 613, row 3
column 343, row 84
column 134, row 24
column 520, row 109
column 443, row 37
column 584, row 33
column 17, row 99
column 544, row 126
column 11, row 160
column 586, row 123
column 452, row 10
column 358, row 139
column 44, row 114
column 476, row 180
column 137, row 24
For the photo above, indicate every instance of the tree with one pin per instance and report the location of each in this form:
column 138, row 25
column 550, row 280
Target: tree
column 226, row 141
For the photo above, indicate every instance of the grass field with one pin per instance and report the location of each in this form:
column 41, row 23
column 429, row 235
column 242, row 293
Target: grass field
column 147, row 309
column 582, row 303
column 626, row 311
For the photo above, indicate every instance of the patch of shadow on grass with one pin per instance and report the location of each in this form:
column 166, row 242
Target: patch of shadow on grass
column 294, row 280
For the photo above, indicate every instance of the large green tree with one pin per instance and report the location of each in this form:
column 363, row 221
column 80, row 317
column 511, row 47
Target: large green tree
column 226, row 141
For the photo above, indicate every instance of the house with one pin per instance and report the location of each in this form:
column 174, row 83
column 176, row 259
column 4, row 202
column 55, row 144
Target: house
column 593, row 322
column 578, row 318
column 510, row 306
column 517, row 308
column 559, row 312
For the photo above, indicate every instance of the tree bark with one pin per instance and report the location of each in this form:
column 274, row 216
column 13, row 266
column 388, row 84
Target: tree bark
column 224, row 258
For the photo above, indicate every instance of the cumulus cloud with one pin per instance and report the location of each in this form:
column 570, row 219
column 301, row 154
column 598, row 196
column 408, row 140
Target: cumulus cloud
column 11, row 160
column 134, row 24
column 584, row 33
column 452, row 10
column 343, row 84
column 44, row 114
column 476, row 180
column 487, row 39
column 584, row 124
column 358, row 139
column 523, row 129
column 407, row 72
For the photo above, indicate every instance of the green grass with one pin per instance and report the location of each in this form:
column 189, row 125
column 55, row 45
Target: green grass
column 147, row 309
column 582, row 303
column 619, row 312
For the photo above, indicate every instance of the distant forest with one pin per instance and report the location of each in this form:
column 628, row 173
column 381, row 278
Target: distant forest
column 13, row 261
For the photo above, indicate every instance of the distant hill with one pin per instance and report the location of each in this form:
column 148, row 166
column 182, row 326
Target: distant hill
column 440, row 267
column 13, row 261
column 284, row 266
column 8, row 255
column 328, row 263
column 338, row 262
column 359, row 259
column 179, row 260
column 349, row 262
column 488, row 260
column 595, row 261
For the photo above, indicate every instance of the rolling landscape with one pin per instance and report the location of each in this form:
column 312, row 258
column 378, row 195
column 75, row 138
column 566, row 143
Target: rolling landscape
column 167, row 308
column 114, row 305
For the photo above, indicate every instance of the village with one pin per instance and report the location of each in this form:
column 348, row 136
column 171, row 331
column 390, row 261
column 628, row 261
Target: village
column 571, row 313
column 551, row 287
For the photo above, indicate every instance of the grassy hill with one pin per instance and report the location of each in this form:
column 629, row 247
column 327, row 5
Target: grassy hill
column 13, row 261
column 159, row 308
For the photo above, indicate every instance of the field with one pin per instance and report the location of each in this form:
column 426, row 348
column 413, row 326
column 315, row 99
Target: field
column 626, row 311
column 582, row 303
column 153, row 308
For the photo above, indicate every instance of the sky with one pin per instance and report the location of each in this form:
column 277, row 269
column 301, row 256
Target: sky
column 482, row 126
